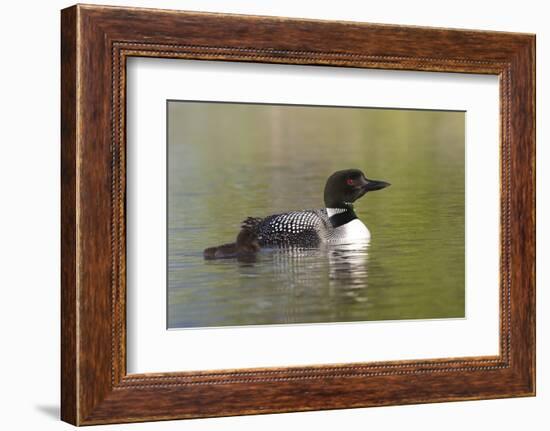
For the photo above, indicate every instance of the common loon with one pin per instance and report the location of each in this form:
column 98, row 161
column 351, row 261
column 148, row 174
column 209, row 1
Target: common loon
column 337, row 223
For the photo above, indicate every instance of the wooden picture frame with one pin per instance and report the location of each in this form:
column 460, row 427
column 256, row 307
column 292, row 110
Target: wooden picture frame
column 95, row 43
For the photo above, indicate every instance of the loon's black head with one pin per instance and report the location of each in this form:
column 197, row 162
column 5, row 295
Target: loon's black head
column 345, row 187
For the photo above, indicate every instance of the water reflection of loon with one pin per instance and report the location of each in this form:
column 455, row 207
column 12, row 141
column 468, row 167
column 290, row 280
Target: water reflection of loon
column 346, row 262
column 336, row 273
column 337, row 223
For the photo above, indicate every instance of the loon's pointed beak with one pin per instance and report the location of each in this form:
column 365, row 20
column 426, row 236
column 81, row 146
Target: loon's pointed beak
column 372, row 185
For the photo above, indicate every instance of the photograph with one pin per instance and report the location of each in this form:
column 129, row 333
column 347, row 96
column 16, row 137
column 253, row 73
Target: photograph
column 300, row 214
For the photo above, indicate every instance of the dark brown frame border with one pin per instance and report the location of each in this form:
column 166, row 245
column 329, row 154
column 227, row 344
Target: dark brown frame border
column 95, row 43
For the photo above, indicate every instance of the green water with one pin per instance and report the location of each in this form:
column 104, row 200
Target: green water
column 230, row 161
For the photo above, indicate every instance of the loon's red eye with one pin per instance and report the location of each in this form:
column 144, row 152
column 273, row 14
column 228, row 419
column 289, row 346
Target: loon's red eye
column 350, row 182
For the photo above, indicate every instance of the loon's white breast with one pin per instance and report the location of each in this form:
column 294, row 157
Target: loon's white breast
column 353, row 231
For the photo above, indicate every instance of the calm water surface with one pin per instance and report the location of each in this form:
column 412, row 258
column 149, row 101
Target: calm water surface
column 230, row 161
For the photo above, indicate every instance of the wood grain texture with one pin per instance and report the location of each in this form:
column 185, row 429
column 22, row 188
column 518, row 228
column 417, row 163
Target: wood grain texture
column 96, row 41
column 69, row 397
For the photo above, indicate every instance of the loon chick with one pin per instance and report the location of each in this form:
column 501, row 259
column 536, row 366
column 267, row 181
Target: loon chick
column 245, row 246
column 336, row 223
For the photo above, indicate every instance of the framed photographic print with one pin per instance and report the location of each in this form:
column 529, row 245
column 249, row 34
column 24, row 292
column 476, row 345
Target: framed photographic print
column 264, row 214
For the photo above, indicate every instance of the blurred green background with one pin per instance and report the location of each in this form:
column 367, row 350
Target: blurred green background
column 230, row 161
